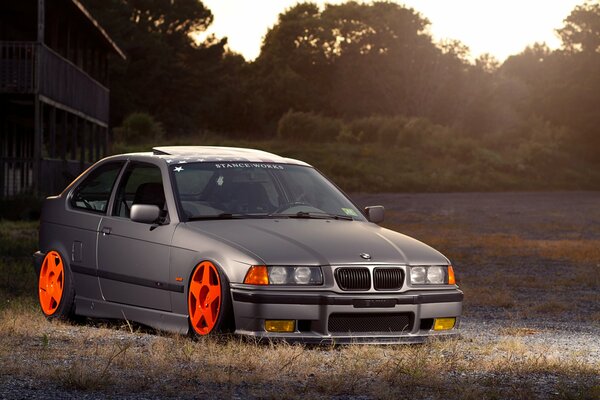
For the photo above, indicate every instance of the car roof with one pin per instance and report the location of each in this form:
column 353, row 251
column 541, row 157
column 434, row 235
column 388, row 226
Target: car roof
column 175, row 154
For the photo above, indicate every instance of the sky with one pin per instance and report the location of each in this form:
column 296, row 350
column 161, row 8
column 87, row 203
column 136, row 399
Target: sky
column 499, row 27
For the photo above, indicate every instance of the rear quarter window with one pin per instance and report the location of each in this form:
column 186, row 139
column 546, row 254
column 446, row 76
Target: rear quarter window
column 94, row 192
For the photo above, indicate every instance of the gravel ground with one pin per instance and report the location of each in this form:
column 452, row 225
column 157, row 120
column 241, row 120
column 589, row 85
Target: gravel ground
column 573, row 332
column 529, row 215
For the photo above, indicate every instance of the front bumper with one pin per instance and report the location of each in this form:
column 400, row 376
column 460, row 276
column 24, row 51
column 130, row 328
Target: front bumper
column 312, row 312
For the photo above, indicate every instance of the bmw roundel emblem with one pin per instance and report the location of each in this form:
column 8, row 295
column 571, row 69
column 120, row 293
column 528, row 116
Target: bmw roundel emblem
column 366, row 256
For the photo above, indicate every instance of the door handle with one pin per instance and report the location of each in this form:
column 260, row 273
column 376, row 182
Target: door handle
column 106, row 231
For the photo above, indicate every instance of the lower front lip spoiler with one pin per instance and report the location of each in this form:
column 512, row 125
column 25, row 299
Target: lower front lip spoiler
column 375, row 338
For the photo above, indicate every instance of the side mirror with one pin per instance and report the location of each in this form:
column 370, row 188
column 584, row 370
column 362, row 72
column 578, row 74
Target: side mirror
column 375, row 214
column 144, row 213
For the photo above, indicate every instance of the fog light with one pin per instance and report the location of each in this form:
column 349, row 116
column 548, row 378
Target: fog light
column 443, row 324
column 276, row 325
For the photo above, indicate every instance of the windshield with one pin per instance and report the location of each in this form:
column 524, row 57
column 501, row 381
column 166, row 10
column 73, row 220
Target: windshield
column 257, row 190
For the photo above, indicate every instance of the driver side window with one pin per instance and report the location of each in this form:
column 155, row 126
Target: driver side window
column 141, row 184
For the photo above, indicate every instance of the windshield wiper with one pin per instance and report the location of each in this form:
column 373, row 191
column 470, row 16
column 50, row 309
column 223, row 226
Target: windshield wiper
column 222, row 216
column 299, row 214
column 312, row 215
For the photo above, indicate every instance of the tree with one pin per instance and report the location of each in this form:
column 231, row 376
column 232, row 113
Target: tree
column 581, row 31
column 291, row 71
column 352, row 60
column 166, row 74
column 563, row 86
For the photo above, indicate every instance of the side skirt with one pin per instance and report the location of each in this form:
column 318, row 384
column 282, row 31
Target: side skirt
column 161, row 320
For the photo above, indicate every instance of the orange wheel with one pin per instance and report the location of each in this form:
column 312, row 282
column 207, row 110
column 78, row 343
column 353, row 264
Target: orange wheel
column 51, row 283
column 204, row 298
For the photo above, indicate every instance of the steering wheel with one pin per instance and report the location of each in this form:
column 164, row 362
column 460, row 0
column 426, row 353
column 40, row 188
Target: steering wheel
column 85, row 202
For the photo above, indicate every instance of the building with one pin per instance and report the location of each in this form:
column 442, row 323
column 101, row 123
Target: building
column 54, row 97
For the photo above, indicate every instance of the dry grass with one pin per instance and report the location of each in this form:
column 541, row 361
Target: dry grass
column 452, row 238
column 115, row 361
column 490, row 296
column 519, row 331
column 496, row 272
column 550, row 307
column 502, row 270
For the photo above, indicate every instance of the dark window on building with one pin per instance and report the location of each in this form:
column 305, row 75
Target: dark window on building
column 94, row 192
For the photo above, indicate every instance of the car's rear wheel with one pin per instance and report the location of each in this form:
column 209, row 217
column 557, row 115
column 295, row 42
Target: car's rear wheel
column 55, row 287
column 209, row 302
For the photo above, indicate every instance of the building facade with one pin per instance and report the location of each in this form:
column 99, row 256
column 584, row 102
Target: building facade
column 54, row 96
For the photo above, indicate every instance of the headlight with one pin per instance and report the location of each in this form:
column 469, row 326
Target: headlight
column 295, row 275
column 302, row 275
column 436, row 275
column 418, row 275
column 278, row 275
column 283, row 275
column 431, row 275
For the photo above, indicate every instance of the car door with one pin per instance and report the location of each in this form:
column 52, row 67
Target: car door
column 133, row 257
column 78, row 228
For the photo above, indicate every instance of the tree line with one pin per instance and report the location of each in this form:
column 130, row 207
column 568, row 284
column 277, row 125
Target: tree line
column 346, row 63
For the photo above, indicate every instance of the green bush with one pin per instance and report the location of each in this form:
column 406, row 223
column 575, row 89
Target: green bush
column 307, row 126
column 139, row 128
column 392, row 154
column 365, row 130
column 388, row 131
column 391, row 131
column 416, row 131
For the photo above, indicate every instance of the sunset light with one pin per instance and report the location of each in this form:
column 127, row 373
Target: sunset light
column 316, row 199
column 499, row 28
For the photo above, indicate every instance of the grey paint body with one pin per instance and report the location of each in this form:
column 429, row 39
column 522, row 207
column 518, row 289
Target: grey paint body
column 129, row 269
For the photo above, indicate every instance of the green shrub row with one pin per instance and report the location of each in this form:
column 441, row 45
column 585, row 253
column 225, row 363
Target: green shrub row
column 300, row 126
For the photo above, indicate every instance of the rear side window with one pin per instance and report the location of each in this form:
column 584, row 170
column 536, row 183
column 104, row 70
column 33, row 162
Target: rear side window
column 94, row 192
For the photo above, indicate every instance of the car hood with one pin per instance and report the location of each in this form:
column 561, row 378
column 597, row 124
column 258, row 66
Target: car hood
column 318, row 241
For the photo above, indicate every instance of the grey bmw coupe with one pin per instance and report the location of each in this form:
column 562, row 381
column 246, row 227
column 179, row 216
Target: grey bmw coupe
column 204, row 240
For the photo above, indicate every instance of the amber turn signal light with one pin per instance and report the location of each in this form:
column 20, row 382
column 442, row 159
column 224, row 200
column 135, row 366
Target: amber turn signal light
column 443, row 324
column 257, row 275
column 451, row 278
column 274, row 325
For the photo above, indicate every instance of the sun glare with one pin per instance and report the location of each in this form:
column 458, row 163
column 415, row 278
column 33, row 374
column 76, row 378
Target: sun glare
column 485, row 26
column 499, row 28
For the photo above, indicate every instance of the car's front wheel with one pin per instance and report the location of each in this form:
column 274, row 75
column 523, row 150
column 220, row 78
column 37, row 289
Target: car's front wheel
column 209, row 301
column 55, row 287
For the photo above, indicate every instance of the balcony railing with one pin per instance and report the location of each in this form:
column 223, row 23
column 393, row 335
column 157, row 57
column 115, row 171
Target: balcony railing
column 59, row 79
column 17, row 67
